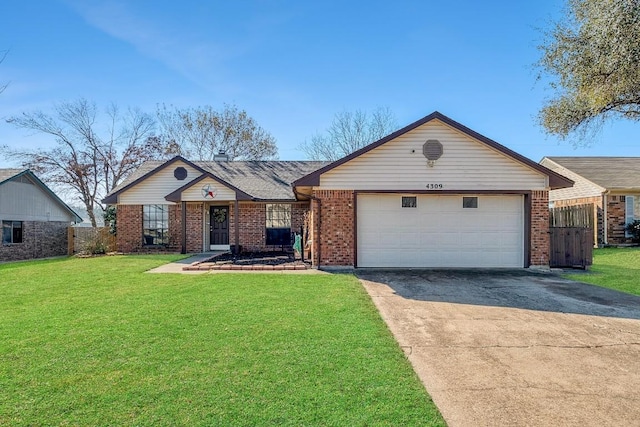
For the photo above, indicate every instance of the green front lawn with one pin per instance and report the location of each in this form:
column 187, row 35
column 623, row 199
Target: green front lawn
column 614, row 268
column 99, row 342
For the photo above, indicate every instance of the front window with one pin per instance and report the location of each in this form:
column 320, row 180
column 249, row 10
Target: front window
column 155, row 224
column 11, row 232
column 278, row 224
column 632, row 211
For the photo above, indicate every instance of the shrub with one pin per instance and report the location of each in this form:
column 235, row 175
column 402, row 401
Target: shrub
column 633, row 228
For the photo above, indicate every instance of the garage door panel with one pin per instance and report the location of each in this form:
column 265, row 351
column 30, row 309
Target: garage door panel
column 440, row 232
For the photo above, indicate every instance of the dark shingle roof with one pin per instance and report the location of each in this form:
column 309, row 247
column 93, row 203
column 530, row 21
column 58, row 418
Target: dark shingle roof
column 265, row 180
column 262, row 179
column 607, row 172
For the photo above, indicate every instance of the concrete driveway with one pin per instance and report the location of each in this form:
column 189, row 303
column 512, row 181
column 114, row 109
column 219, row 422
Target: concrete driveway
column 515, row 348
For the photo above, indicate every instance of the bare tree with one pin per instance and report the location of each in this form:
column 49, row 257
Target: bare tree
column 3, row 55
column 201, row 133
column 348, row 132
column 87, row 158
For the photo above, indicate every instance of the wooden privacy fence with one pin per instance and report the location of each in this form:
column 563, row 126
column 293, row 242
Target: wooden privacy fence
column 90, row 240
column 571, row 236
column 571, row 216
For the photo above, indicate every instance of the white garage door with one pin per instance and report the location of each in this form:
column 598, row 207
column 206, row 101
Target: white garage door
column 440, row 231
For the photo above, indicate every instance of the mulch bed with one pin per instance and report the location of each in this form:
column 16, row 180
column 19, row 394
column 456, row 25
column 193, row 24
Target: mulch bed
column 251, row 261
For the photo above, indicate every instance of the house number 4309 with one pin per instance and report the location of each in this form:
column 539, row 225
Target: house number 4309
column 434, row 186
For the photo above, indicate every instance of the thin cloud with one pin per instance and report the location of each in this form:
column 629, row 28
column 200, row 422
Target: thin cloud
column 203, row 63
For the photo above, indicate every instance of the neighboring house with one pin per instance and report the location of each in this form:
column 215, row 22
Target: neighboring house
column 433, row 194
column 611, row 184
column 34, row 220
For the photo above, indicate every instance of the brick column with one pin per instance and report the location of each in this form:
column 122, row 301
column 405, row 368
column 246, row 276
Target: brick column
column 129, row 234
column 616, row 220
column 336, row 237
column 195, row 218
column 540, row 229
column 175, row 227
column 314, row 234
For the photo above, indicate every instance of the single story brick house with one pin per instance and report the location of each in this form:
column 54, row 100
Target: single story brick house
column 611, row 184
column 432, row 194
column 34, row 220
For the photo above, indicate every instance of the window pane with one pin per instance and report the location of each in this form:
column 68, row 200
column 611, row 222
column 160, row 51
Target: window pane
column 6, row 232
column 155, row 224
column 17, row 231
column 409, row 202
column 278, row 215
column 469, row 202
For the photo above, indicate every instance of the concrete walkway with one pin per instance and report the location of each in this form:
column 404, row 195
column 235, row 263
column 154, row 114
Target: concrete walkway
column 516, row 348
column 176, row 266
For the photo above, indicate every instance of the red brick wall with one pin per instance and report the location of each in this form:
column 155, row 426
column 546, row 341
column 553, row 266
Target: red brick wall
column 175, row 227
column 314, row 235
column 336, row 237
column 616, row 220
column 297, row 215
column 40, row 239
column 539, row 249
column 252, row 217
column 129, row 233
column 195, row 219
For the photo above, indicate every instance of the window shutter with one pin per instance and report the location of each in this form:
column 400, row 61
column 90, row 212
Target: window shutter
column 629, row 214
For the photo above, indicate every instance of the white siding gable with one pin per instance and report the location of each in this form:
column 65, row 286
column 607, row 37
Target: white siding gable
column 151, row 191
column 22, row 201
column 466, row 164
column 220, row 192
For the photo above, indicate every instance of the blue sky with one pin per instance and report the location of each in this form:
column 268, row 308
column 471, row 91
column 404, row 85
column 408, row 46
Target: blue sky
column 292, row 64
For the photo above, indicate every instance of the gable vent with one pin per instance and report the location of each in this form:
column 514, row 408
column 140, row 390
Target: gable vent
column 180, row 173
column 432, row 150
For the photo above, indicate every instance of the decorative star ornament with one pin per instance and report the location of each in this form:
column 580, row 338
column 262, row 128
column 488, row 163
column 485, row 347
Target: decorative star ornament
column 208, row 191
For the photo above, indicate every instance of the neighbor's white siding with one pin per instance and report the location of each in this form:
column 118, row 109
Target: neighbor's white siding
column 466, row 164
column 152, row 190
column 194, row 193
column 22, row 201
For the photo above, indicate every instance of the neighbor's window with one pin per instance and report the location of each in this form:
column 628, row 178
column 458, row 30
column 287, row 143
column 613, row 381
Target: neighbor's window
column 11, row 232
column 278, row 224
column 632, row 210
column 155, row 224
column 469, row 202
column 409, row 202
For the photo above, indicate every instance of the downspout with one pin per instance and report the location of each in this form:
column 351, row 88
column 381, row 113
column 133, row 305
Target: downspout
column 605, row 218
column 319, row 226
